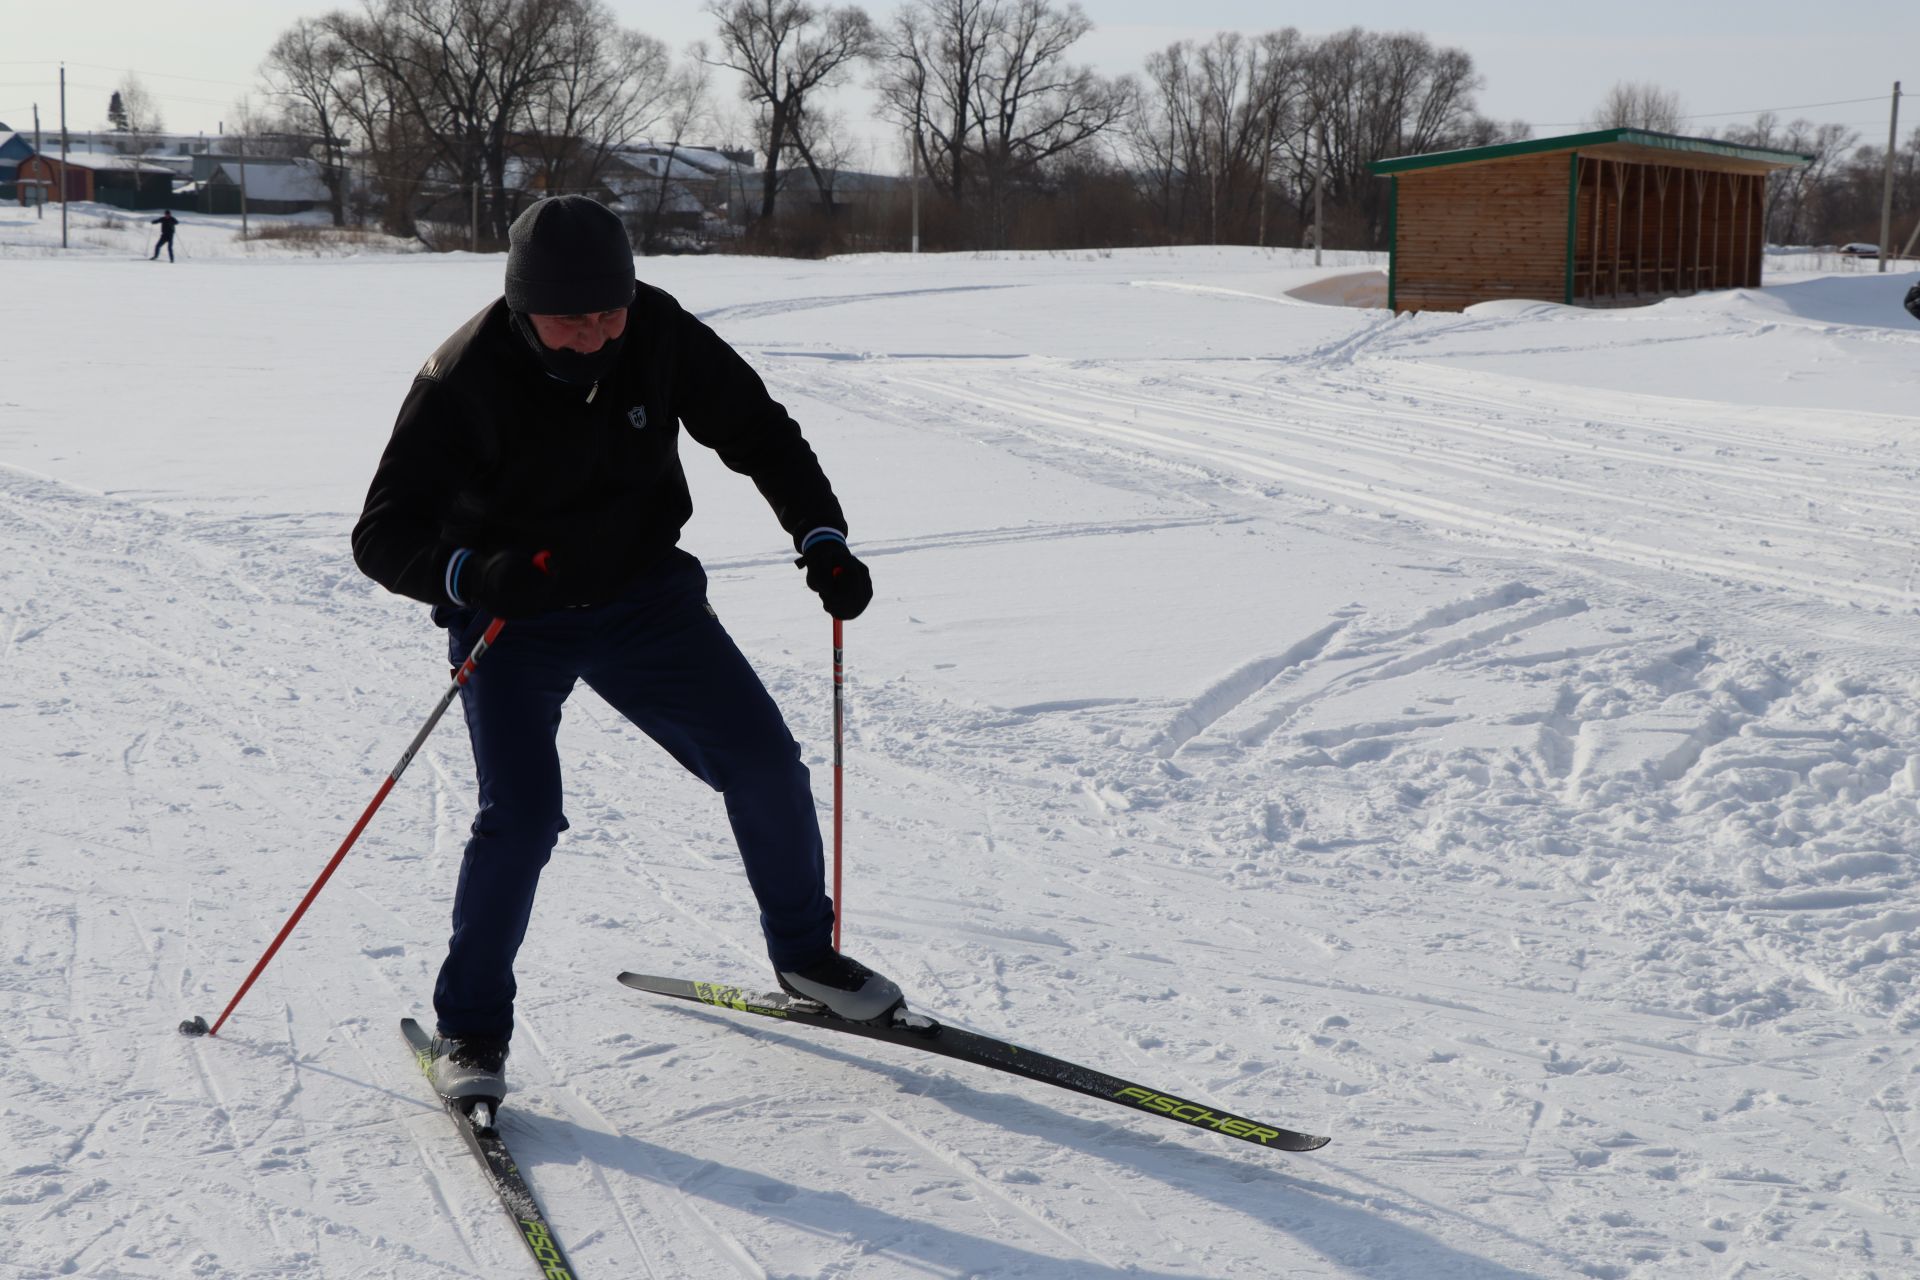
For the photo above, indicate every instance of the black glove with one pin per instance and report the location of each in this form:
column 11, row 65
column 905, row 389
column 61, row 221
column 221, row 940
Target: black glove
column 507, row 584
column 1913, row 302
column 842, row 582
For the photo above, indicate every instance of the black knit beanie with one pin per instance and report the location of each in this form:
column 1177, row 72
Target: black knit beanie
column 568, row 256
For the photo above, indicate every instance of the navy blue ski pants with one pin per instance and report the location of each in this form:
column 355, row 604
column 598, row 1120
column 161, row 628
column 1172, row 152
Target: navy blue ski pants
column 660, row 657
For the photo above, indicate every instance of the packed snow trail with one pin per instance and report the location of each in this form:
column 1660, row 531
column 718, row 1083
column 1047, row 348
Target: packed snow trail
column 1572, row 891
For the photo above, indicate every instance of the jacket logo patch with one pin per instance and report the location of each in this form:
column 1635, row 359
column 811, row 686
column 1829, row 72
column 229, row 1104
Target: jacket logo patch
column 637, row 416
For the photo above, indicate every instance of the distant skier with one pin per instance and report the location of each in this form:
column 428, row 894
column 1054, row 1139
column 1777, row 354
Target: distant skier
column 1913, row 302
column 549, row 423
column 167, row 223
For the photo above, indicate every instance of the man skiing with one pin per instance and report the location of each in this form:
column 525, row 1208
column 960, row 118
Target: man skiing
column 167, row 223
column 533, row 475
column 1913, row 302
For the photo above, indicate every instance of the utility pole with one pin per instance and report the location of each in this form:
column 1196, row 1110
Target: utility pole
column 63, row 155
column 913, row 167
column 40, row 205
column 1886, row 197
column 241, row 142
column 1319, row 206
column 473, row 221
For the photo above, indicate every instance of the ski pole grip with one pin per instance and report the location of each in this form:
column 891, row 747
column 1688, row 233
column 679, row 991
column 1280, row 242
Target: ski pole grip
column 543, row 561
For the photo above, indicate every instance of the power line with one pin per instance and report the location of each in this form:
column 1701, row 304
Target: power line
column 1717, row 115
column 161, row 75
column 1805, row 106
column 167, row 97
column 98, row 66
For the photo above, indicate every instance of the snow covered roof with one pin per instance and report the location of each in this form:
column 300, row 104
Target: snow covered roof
column 704, row 161
column 297, row 181
column 99, row 160
column 628, row 167
column 640, row 197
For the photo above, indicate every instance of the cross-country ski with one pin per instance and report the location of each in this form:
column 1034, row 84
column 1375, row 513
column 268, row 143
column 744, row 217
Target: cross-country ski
column 478, row 1127
column 916, row 1031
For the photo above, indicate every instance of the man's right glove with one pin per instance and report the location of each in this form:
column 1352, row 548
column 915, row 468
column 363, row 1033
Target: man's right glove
column 505, row 584
column 842, row 582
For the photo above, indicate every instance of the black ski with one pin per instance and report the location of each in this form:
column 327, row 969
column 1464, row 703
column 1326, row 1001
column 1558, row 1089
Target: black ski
column 484, row 1140
column 916, row 1031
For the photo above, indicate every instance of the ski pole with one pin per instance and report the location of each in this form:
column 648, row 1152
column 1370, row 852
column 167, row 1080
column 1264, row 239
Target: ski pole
column 196, row 1025
column 839, row 798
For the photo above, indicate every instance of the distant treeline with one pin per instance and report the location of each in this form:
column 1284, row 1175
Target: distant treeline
column 456, row 109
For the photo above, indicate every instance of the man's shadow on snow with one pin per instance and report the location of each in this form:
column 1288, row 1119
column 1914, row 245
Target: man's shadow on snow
column 1333, row 1221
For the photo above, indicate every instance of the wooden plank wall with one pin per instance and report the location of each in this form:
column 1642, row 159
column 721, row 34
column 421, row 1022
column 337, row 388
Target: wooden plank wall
column 1481, row 231
column 1652, row 231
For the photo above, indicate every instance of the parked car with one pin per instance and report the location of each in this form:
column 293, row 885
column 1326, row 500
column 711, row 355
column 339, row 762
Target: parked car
column 1858, row 250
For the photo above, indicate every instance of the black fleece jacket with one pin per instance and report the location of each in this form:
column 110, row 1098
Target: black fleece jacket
column 491, row 453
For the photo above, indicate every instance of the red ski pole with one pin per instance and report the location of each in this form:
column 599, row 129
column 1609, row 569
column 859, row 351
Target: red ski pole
column 839, row 805
column 196, row 1025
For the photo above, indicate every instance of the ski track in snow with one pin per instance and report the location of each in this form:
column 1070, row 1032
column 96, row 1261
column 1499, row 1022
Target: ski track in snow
column 1566, row 875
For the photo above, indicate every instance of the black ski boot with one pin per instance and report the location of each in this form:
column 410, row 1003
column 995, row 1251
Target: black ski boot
column 470, row 1067
column 846, row 987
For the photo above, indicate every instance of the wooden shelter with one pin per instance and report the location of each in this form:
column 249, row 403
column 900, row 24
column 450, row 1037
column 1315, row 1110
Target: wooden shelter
column 1609, row 218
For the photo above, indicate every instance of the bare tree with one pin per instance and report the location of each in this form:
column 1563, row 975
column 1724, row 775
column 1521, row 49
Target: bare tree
column 785, row 50
column 1211, row 123
column 1274, row 107
column 983, row 89
column 140, row 118
column 463, row 72
column 1796, row 197
column 1370, row 96
column 935, row 58
column 1033, row 106
column 1161, row 135
column 397, row 154
column 687, row 106
column 305, row 70
column 824, row 145
column 1632, row 104
column 609, row 86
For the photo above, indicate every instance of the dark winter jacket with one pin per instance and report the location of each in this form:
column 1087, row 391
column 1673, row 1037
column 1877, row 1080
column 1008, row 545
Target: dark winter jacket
column 490, row 453
column 167, row 223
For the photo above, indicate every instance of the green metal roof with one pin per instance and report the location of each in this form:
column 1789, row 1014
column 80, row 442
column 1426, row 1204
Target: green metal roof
column 1598, row 137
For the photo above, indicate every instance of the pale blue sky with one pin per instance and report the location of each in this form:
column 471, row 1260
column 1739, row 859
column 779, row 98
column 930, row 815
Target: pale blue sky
column 1546, row 63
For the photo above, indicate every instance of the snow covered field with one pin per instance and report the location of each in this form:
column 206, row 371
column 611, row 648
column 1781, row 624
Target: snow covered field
column 1491, row 739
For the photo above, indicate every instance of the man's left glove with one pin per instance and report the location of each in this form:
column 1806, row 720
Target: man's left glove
column 843, row 584
column 507, row 584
